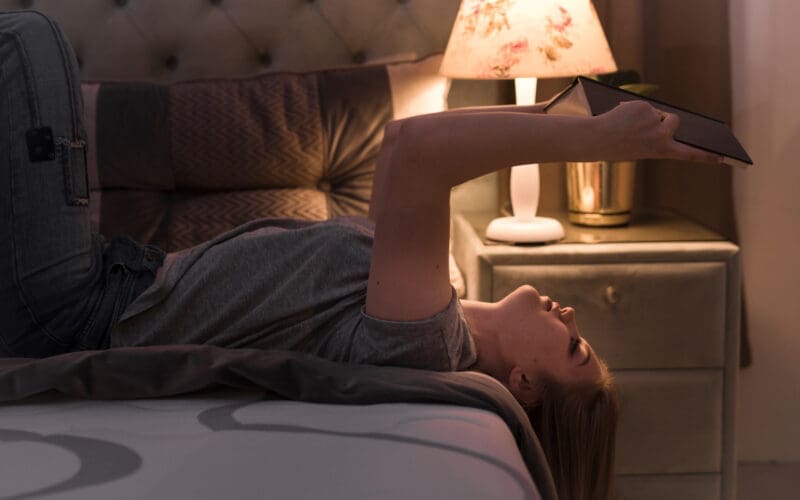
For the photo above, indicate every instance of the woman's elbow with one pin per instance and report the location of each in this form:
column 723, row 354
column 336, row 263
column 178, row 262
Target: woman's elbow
column 412, row 148
column 404, row 170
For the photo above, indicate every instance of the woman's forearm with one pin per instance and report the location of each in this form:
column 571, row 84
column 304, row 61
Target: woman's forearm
column 453, row 148
column 537, row 108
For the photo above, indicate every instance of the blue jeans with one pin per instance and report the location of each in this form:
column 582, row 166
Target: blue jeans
column 61, row 286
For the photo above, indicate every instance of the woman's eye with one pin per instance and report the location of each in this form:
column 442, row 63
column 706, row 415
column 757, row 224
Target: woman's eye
column 573, row 345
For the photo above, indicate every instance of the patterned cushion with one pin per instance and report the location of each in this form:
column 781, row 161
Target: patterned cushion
column 174, row 165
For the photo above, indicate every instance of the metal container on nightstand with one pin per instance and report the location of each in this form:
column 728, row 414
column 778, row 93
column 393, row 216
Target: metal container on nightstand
column 600, row 193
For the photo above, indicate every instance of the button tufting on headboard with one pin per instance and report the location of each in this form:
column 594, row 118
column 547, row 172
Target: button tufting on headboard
column 171, row 62
column 265, row 59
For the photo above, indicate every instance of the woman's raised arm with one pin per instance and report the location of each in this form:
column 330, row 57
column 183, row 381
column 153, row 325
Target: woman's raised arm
column 423, row 157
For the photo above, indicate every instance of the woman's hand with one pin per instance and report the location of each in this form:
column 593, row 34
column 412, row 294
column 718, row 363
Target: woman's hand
column 635, row 130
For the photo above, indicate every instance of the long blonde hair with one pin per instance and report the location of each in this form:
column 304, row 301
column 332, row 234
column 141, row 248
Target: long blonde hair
column 576, row 426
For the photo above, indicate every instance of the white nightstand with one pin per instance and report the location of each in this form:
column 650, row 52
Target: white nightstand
column 659, row 300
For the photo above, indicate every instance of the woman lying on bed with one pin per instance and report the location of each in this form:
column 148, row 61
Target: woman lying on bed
column 353, row 290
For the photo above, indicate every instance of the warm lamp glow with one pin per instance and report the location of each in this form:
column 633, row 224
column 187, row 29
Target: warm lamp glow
column 525, row 40
column 519, row 38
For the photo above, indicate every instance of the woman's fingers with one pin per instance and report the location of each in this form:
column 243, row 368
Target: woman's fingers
column 681, row 151
column 639, row 130
column 670, row 121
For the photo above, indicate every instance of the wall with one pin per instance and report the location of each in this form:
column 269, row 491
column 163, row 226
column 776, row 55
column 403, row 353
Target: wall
column 686, row 52
column 766, row 117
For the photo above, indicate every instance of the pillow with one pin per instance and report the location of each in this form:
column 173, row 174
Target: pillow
column 174, row 165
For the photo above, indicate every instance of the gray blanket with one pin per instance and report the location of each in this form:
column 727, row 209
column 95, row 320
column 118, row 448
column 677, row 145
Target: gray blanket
column 147, row 372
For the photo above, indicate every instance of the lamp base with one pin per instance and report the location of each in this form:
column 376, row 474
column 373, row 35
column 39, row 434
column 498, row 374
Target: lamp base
column 536, row 230
column 600, row 219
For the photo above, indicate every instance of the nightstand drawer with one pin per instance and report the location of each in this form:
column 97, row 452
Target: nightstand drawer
column 646, row 315
column 669, row 487
column 670, row 421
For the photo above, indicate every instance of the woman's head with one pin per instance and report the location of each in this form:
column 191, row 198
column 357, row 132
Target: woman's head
column 565, row 388
column 537, row 339
column 532, row 345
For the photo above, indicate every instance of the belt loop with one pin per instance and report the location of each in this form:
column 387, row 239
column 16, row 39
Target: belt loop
column 152, row 258
column 134, row 256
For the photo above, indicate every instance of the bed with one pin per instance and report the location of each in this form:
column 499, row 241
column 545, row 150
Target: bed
column 223, row 445
column 251, row 424
column 194, row 81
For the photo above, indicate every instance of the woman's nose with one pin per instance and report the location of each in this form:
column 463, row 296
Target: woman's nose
column 528, row 289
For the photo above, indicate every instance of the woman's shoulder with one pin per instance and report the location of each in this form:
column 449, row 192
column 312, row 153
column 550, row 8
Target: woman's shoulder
column 346, row 228
column 355, row 222
column 350, row 231
column 276, row 226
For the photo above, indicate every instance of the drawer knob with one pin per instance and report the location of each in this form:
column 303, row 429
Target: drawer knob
column 612, row 295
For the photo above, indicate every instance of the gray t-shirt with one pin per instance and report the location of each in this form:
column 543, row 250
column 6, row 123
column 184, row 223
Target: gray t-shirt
column 291, row 285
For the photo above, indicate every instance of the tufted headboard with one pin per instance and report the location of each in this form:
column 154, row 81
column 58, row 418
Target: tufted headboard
column 172, row 40
column 144, row 63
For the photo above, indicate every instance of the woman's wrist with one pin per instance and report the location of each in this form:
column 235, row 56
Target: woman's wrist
column 591, row 140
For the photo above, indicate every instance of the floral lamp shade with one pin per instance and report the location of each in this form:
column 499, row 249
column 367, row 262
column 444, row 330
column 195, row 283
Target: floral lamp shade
column 499, row 39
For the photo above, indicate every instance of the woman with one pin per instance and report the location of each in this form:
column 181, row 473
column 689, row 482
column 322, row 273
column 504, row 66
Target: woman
column 353, row 290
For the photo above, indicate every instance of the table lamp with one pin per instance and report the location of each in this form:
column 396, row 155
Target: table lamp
column 526, row 39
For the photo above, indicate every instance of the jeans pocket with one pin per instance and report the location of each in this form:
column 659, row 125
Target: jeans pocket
column 72, row 155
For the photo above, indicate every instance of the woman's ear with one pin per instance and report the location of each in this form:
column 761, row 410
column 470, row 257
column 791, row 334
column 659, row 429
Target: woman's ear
column 527, row 390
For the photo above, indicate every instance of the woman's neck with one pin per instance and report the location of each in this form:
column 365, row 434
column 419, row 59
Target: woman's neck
column 489, row 356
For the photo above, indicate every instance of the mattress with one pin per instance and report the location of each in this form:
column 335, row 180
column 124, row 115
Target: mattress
column 231, row 443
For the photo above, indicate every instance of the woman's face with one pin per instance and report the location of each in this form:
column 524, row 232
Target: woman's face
column 541, row 337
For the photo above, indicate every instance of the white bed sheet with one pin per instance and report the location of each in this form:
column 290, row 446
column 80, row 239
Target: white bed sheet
column 233, row 444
